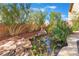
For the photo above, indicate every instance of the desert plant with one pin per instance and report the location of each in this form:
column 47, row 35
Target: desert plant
column 59, row 31
column 75, row 26
column 13, row 15
column 75, row 21
column 39, row 46
column 37, row 17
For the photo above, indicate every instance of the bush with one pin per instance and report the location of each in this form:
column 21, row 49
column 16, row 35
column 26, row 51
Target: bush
column 75, row 26
column 38, row 47
column 59, row 32
column 75, row 21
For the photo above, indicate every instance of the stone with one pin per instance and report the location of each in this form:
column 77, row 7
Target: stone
column 15, row 47
column 27, row 44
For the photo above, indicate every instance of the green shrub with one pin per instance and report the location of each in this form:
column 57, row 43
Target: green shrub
column 75, row 26
column 60, row 31
column 39, row 47
column 57, row 31
column 75, row 21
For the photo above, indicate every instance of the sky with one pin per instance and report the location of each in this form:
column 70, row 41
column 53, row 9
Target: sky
column 63, row 8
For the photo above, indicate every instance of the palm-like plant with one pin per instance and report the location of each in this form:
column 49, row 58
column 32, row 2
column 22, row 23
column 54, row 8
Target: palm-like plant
column 36, row 19
column 13, row 15
column 53, row 21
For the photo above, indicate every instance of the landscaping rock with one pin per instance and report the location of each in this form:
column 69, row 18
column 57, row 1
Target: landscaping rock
column 15, row 47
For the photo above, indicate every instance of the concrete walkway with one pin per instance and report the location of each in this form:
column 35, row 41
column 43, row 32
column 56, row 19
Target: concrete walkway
column 71, row 49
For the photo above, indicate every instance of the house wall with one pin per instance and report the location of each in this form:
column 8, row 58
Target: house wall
column 74, row 8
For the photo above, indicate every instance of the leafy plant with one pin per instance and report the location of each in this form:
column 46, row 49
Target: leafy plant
column 59, row 31
column 39, row 47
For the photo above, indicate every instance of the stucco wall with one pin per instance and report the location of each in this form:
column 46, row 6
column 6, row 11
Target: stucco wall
column 75, row 9
column 72, row 15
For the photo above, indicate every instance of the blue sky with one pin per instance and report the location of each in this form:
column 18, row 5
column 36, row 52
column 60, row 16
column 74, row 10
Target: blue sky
column 55, row 7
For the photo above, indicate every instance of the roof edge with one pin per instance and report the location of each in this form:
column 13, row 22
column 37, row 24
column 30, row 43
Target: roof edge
column 71, row 6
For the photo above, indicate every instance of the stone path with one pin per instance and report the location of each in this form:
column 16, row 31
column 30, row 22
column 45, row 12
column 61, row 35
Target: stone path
column 71, row 49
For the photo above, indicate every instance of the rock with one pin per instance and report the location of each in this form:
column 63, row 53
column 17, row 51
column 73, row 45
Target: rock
column 10, row 53
column 19, row 51
column 14, row 47
column 27, row 44
column 8, row 46
column 26, row 54
column 3, row 53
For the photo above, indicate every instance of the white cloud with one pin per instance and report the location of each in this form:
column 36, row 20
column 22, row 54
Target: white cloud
column 35, row 9
column 64, row 17
column 52, row 7
column 46, row 22
column 38, row 9
column 42, row 9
